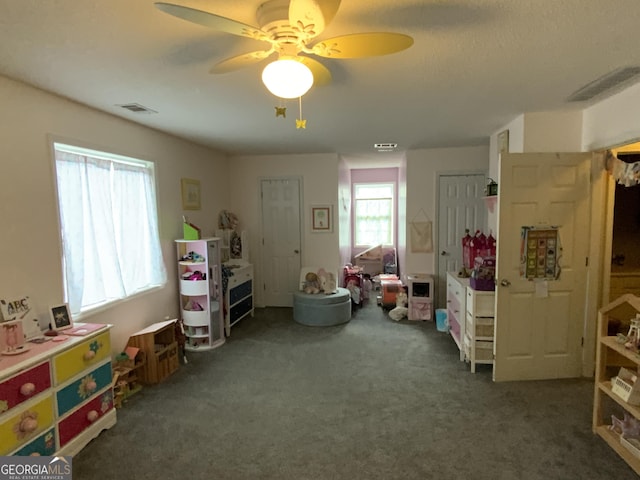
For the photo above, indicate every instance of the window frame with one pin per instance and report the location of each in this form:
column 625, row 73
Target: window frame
column 77, row 148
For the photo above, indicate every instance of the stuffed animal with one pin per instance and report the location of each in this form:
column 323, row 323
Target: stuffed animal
column 354, row 291
column 402, row 299
column 311, row 283
column 327, row 282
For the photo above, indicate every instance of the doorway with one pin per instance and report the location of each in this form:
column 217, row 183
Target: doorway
column 281, row 244
column 624, row 276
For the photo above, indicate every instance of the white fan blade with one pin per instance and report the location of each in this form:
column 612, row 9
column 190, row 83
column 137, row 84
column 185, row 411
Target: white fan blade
column 312, row 16
column 240, row 61
column 360, row 45
column 212, row 20
column 321, row 74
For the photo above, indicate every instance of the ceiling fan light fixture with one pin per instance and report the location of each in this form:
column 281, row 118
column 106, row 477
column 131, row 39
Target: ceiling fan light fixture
column 287, row 78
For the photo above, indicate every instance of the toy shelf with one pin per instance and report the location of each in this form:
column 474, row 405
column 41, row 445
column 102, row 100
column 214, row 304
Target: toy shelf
column 612, row 357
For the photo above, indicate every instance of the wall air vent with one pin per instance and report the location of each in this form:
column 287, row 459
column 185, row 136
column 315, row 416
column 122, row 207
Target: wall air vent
column 136, row 108
column 385, row 147
column 608, row 83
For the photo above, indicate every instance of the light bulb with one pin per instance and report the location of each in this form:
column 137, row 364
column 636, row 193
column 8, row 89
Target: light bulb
column 287, row 78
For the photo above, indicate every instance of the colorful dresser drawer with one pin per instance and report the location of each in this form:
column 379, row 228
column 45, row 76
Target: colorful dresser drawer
column 83, row 388
column 84, row 417
column 44, row 445
column 26, row 423
column 90, row 352
column 24, row 385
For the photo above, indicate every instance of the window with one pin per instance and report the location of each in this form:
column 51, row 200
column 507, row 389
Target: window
column 373, row 217
column 108, row 226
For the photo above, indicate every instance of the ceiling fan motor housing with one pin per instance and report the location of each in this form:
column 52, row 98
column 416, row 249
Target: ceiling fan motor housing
column 273, row 18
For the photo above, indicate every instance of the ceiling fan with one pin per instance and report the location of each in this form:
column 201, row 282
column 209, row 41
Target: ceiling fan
column 289, row 27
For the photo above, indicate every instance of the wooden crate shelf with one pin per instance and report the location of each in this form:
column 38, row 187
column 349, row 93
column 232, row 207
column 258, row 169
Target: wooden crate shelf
column 158, row 342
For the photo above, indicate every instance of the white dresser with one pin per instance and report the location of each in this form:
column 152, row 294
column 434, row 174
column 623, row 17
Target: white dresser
column 56, row 397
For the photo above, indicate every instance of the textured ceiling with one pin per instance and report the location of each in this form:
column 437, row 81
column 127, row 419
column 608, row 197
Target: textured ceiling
column 474, row 66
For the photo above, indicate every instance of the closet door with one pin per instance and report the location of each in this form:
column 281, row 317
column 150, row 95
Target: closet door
column 460, row 206
column 281, row 242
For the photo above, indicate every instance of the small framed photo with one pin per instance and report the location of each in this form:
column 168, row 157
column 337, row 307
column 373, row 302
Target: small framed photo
column 321, row 218
column 61, row 317
column 190, row 194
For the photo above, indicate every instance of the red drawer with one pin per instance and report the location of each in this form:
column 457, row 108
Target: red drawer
column 25, row 385
column 84, row 417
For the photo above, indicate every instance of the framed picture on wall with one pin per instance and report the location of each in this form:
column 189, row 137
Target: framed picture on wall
column 190, row 194
column 321, row 218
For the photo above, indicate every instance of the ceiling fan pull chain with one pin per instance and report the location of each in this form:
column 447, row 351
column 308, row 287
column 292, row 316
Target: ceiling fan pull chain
column 300, row 122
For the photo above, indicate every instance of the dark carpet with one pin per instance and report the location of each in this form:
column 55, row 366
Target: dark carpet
column 371, row 399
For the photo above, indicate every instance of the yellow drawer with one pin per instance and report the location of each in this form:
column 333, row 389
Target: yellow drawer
column 25, row 424
column 73, row 361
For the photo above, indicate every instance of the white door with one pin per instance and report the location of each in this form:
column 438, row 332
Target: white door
column 539, row 324
column 281, row 242
column 460, row 207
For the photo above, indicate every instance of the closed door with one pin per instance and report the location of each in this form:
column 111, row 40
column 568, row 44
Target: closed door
column 460, row 207
column 540, row 323
column 281, row 242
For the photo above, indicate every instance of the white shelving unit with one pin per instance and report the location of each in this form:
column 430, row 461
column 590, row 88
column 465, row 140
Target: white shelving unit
column 611, row 355
column 456, row 308
column 479, row 327
column 200, row 298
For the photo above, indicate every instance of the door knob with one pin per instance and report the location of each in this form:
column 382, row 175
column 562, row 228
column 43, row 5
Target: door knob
column 296, row 251
column 444, row 252
column 505, row 283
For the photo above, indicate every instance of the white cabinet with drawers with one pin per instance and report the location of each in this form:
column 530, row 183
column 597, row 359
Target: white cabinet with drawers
column 479, row 327
column 239, row 293
column 456, row 301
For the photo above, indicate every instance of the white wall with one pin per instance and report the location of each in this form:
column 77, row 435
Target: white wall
column 402, row 217
column 30, row 236
column 423, row 167
column 319, row 173
column 344, row 212
column 553, row 131
column 613, row 121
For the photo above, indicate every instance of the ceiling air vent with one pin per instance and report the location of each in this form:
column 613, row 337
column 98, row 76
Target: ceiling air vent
column 136, row 108
column 385, row 147
column 606, row 83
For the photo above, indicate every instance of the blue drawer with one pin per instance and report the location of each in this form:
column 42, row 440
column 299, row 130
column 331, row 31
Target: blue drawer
column 77, row 392
column 239, row 292
column 44, row 445
column 240, row 309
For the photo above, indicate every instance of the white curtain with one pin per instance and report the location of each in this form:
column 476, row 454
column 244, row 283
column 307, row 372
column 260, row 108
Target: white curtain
column 373, row 222
column 110, row 239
